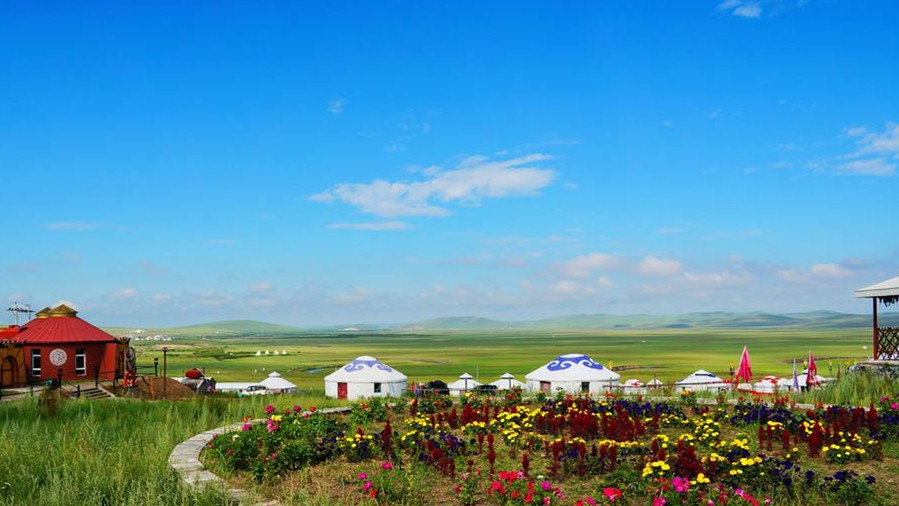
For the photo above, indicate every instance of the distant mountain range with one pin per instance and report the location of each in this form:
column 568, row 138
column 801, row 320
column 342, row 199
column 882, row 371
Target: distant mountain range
column 808, row 320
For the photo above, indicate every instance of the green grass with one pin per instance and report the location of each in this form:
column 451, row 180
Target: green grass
column 669, row 354
column 110, row 452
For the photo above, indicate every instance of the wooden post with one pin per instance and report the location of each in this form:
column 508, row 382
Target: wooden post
column 876, row 331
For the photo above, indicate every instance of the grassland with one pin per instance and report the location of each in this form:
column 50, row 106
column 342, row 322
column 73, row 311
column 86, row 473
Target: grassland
column 114, row 452
column 668, row 354
column 110, row 452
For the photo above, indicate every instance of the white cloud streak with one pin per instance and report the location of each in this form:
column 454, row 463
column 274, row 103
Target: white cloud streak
column 467, row 184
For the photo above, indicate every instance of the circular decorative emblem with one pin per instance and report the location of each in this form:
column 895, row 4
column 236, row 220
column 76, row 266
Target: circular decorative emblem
column 58, row 357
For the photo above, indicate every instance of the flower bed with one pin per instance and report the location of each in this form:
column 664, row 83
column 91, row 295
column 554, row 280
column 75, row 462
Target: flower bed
column 572, row 450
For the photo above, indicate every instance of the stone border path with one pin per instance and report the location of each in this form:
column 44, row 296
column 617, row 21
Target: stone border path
column 185, row 460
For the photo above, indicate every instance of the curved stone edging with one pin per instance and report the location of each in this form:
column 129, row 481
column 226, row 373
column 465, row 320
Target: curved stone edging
column 185, row 460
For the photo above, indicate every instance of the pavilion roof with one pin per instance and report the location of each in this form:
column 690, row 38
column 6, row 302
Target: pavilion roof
column 888, row 288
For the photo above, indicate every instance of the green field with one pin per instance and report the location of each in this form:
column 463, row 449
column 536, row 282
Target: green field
column 669, row 354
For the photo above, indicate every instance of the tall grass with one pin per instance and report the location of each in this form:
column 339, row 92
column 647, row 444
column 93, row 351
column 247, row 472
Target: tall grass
column 856, row 389
column 111, row 452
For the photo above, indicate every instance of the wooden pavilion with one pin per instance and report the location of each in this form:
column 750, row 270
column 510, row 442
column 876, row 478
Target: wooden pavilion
column 886, row 339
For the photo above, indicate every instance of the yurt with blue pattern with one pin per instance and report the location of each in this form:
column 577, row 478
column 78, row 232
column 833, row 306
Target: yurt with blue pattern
column 573, row 373
column 365, row 377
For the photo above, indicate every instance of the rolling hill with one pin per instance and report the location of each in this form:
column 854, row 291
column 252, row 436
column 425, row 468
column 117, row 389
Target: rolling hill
column 808, row 320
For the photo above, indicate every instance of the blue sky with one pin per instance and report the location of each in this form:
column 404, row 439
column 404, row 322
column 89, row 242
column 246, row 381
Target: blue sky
column 169, row 163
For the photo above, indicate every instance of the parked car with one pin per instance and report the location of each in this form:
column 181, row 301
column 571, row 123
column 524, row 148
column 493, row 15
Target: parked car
column 252, row 390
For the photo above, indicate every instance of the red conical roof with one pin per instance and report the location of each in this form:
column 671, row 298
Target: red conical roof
column 63, row 327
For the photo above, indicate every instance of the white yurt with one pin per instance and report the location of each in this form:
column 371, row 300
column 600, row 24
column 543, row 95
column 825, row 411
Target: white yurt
column 365, row 377
column 573, row 373
column 507, row 382
column 465, row 383
column 655, row 383
column 275, row 384
column 634, row 387
column 701, row 381
column 768, row 385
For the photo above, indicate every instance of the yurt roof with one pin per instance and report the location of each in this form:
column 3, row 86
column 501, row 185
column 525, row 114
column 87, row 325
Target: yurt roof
column 276, row 382
column 366, row 369
column 507, row 376
column 573, row 367
column 655, row 381
column 504, row 382
column 459, row 384
column 701, row 376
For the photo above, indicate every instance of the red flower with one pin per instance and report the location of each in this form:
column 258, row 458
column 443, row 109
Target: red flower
column 612, row 494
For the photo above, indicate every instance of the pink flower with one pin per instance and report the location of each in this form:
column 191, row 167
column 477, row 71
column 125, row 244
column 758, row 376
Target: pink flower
column 681, row 485
column 546, row 500
column 710, row 503
column 297, row 409
column 367, row 486
column 246, row 427
column 269, row 409
column 658, row 501
column 546, row 486
column 362, row 476
column 612, row 494
column 894, row 405
column 386, row 465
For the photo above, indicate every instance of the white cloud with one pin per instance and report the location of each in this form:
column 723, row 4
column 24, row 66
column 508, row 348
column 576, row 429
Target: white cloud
column 604, row 282
column 584, row 266
column 741, row 8
column 873, row 151
column 652, row 266
column 372, row 225
column 125, row 294
column 750, row 10
column 79, row 226
column 714, row 114
column 878, row 143
column 723, row 279
column 161, row 298
column 568, row 288
column 830, row 271
column 261, row 287
column 464, row 184
column 336, row 105
column 869, row 167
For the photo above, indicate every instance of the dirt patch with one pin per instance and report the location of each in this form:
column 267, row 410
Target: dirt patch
column 157, row 387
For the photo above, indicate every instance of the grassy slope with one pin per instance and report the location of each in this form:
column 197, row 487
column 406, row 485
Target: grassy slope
column 110, row 452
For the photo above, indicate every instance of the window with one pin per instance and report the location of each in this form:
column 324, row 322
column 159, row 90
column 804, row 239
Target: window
column 35, row 362
column 585, row 386
column 80, row 363
column 377, row 388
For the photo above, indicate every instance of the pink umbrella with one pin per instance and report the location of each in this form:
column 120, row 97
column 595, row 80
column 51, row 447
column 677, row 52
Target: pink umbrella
column 744, row 370
column 812, row 377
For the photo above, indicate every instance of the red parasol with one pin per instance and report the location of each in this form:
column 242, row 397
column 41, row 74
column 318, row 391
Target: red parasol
column 744, row 370
column 812, row 376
